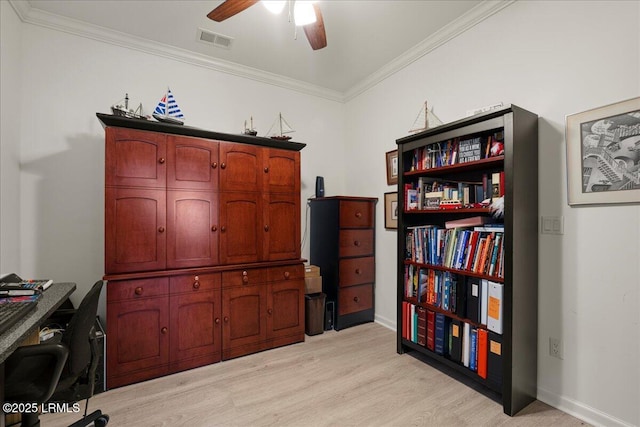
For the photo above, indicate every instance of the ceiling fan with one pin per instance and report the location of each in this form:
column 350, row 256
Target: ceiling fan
column 314, row 31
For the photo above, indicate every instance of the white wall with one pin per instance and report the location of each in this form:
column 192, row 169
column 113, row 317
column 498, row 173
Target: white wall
column 554, row 59
column 66, row 79
column 10, row 68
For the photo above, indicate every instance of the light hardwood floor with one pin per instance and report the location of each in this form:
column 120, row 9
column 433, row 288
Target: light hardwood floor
column 353, row 377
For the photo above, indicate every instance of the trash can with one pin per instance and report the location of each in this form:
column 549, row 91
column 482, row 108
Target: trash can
column 314, row 313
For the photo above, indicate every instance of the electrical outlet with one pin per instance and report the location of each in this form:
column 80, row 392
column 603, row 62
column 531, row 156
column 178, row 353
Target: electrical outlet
column 555, row 347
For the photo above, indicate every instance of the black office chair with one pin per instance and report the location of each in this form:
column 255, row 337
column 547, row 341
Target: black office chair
column 62, row 372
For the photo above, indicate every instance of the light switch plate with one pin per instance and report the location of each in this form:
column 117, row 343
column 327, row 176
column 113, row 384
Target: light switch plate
column 552, row 225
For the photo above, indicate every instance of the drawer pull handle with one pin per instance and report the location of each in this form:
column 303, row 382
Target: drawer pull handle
column 357, row 243
column 164, row 330
column 357, row 271
column 223, row 165
column 214, row 165
column 217, row 320
column 266, row 228
column 214, row 228
column 160, row 229
column 138, row 290
column 266, row 170
column 287, row 275
column 356, row 299
column 196, row 285
column 226, row 319
column 223, row 228
column 161, row 160
column 358, row 214
column 270, row 311
column 245, row 277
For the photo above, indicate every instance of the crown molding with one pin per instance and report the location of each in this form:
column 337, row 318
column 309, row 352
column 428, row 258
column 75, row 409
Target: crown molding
column 71, row 26
column 38, row 17
column 476, row 15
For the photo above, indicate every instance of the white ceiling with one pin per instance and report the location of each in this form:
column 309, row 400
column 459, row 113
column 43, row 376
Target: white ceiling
column 363, row 37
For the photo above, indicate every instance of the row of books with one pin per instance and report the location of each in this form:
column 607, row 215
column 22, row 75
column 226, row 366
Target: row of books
column 480, row 250
column 457, row 150
column 478, row 300
column 475, row 348
column 427, row 193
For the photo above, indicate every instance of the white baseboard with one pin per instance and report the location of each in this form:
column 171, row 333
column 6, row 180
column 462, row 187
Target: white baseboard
column 580, row 410
column 386, row 322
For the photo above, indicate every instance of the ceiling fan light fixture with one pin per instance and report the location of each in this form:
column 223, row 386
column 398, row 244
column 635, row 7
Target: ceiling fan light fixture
column 274, row 6
column 303, row 13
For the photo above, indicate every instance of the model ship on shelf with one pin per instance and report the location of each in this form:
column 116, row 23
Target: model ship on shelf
column 122, row 109
column 283, row 127
column 250, row 130
column 168, row 110
column 425, row 120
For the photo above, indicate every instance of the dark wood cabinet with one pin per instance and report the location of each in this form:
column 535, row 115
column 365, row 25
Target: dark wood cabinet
column 343, row 246
column 202, row 247
column 459, row 154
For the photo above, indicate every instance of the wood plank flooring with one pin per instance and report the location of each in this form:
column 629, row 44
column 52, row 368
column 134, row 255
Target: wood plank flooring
column 353, row 377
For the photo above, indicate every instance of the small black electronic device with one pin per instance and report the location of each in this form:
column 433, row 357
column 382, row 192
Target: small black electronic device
column 329, row 315
column 319, row 186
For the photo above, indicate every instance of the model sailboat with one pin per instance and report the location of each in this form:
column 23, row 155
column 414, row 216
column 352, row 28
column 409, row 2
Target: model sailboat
column 282, row 127
column 250, row 130
column 425, row 120
column 168, row 111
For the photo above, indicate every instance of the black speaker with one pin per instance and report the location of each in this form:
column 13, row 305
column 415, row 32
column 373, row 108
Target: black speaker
column 319, row 186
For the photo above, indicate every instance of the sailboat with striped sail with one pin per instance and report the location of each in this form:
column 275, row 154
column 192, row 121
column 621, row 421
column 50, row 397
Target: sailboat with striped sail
column 168, row 110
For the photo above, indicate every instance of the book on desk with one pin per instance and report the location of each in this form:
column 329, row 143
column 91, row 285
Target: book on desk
column 12, row 285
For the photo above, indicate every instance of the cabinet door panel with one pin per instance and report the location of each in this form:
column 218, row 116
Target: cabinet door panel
column 243, row 312
column 192, row 229
column 135, row 230
column 241, row 233
column 195, row 326
column 281, row 227
column 241, row 167
column 138, row 335
column 135, row 158
column 285, row 312
column 192, row 163
column 282, row 171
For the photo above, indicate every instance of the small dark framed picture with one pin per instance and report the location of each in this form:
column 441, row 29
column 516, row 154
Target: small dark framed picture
column 603, row 154
column 392, row 167
column 391, row 210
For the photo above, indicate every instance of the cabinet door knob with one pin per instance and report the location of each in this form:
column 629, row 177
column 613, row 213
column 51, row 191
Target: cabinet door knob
column 138, row 290
column 161, row 229
column 356, row 299
column 357, row 271
column 214, row 165
column 266, row 228
column 245, row 277
column 223, row 165
column 164, row 330
column 287, row 275
column 196, row 285
column 266, row 170
column 161, row 160
column 356, row 243
column 217, row 320
column 270, row 311
column 223, row 228
column 226, row 319
column 214, row 228
column 358, row 214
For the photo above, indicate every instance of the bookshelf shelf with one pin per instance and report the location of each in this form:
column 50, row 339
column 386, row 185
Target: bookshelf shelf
column 466, row 300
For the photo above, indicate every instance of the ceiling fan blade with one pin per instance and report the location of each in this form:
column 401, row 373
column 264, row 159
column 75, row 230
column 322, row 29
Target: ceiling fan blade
column 230, row 8
column 315, row 32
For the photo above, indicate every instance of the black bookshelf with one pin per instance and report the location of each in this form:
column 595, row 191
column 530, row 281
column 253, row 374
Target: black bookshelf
column 519, row 130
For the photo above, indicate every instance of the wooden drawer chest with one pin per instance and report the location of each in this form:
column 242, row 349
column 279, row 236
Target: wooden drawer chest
column 343, row 246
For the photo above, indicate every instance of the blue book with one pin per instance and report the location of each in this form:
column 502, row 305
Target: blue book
column 440, row 338
column 473, row 350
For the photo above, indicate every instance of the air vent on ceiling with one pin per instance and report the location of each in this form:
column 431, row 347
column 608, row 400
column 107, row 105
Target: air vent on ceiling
column 215, row 39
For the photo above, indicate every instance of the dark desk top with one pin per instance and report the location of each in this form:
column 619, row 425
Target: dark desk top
column 51, row 299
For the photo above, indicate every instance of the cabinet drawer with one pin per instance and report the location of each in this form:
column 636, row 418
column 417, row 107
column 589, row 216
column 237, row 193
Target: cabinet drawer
column 194, row 282
column 356, row 243
column 354, row 299
column 139, row 288
column 288, row 272
column 250, row 276
column 356, row 271
column 356, row 214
